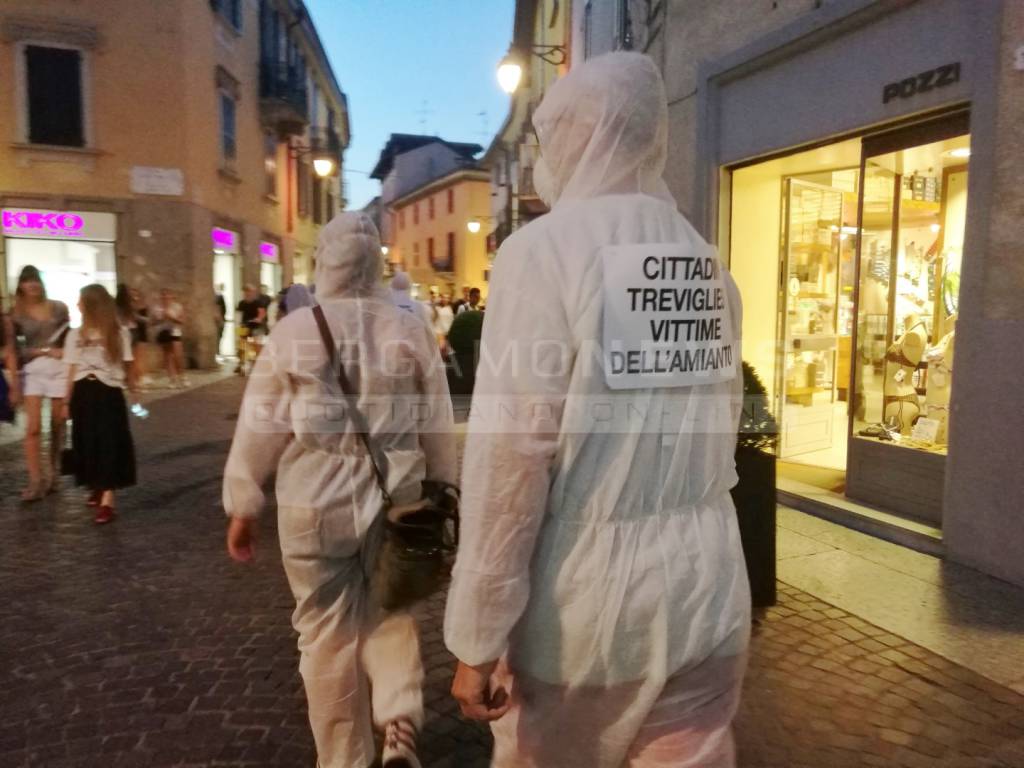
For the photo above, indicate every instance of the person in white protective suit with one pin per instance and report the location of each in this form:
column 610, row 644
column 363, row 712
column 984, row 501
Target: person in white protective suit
column 354, row 659
column 599, row 605
column 401, row 286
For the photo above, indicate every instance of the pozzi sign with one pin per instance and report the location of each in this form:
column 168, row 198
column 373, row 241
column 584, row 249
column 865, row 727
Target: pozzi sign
column 59, row 225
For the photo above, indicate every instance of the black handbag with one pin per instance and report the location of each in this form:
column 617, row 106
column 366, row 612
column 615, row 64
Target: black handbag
column 409, row 565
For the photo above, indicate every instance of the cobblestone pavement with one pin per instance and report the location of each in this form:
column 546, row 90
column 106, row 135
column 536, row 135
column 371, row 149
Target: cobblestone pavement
column 140, row 644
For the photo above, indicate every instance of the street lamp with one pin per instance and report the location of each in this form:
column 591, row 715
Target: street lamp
column 473, row 225
column 323, row 166
column 510, row 70
column 384, row 250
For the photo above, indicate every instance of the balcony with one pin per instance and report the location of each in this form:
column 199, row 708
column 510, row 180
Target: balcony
column 530, row 203
column 284, row 103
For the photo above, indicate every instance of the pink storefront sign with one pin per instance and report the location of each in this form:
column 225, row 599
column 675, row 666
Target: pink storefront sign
column 269, row 252
column 224, row 240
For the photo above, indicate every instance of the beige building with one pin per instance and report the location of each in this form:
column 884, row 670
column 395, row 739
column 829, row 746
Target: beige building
column 167, row 144
column 857, row 162
column 431, row 237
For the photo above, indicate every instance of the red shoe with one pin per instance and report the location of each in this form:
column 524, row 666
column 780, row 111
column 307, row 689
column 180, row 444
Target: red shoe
column 104, row 514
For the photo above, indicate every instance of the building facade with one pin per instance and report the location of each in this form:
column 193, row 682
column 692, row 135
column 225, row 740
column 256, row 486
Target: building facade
column 431, row 189
column 542, row 44
column 166, row 145
column 431, row 235
column 856, row 162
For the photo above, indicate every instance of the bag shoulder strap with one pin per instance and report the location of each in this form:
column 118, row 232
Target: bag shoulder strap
column 354, row 414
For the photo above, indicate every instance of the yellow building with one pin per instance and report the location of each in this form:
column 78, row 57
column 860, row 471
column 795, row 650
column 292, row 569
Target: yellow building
column 430, row 233
column 166, row 144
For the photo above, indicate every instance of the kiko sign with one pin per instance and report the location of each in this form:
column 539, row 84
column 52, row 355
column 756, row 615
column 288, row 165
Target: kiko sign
column 59, row 225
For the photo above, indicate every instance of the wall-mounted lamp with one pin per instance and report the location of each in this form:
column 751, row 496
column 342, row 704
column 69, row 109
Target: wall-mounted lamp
column 510, row 70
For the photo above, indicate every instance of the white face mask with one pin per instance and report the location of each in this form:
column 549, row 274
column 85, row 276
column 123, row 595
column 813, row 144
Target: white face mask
column 543, row 182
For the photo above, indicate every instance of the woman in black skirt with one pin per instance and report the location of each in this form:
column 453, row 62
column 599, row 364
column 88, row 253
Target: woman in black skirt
column 99, row 355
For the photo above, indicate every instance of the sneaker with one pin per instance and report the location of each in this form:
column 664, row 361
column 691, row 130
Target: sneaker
column 104, row 514
column 400, row 745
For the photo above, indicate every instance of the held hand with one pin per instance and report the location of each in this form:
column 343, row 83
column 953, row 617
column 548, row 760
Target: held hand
column 55, row 352
column 241, row 539
column 472, row 689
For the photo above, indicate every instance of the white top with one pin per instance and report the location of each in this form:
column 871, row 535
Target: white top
column 90, row 357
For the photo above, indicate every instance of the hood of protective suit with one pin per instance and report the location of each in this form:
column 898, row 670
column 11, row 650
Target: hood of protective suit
column 348, row 259
column 603, row 130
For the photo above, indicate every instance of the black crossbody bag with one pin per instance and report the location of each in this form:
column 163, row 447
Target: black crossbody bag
column 410, row 563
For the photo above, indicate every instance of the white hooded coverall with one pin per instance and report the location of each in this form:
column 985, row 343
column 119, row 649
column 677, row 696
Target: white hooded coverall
column 602, row 563
column 293, row 423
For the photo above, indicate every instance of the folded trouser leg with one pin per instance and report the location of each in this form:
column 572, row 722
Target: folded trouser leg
column 690, row 725
column 329, row 614
column 683, row 723
column 391, row 658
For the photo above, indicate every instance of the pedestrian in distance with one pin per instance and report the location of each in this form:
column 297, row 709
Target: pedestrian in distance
column 472, row 303
column 599, row 603
column 10, row 384
column 130, row 319
column 361, row 666
column 443, row 316
column 220, row 316
column 169, row 324
column 99, row 360
column 401, row 294
column 464, row 299
column 41, row 324
column 293, row 298
column 252, row 316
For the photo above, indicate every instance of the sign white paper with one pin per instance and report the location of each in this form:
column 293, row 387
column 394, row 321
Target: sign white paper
column 666, row 317
column 147, row 180
column 926, row 430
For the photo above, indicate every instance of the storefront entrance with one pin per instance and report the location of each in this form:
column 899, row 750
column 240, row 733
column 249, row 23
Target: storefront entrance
column 227, row 279
column 848, row 260
column 71, row 249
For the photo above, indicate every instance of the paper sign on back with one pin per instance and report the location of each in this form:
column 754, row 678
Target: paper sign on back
column 666, row 317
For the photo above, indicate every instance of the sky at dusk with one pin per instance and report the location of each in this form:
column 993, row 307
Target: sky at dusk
column 414, row 66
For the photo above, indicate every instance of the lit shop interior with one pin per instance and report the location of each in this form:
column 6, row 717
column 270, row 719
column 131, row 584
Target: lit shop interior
column 848, row 260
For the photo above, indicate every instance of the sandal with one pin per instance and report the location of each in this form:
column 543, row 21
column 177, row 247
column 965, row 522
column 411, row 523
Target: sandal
column 33, row 492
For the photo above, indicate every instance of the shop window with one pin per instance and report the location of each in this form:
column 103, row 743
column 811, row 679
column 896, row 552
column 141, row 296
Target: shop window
column 451, row 201
column 270, row 165
column 850, row 286
column 450, row 253
column 228, row 123
column 430, row 208
column 915, row 212
column 53, row 79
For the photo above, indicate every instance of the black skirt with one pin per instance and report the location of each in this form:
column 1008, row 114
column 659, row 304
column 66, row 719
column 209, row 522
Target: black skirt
column 104, row 454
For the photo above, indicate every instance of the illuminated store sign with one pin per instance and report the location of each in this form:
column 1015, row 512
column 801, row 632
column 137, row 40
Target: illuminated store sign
column 224, row 240
column 58, row 225
column 269, row 251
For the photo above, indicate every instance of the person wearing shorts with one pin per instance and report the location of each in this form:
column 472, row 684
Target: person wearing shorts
column 42, row 323
column 168, row 318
